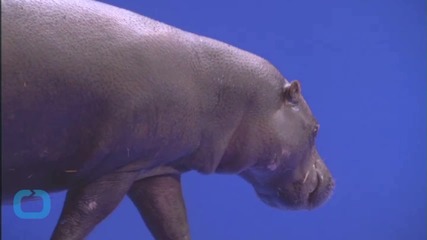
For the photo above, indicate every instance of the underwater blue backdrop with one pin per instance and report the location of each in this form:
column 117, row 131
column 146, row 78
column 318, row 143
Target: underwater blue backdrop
column 362, row 65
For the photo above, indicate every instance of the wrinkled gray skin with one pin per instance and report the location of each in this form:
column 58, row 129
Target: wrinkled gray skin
column 103, row 102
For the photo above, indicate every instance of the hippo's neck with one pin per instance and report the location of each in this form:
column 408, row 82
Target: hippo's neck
column 239, row 91
column 222, row 91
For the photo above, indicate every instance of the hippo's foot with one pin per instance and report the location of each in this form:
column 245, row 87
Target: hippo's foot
column 87, row 205
column 160, row 203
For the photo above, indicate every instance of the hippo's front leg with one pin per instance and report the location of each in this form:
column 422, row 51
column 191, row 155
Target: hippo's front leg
column 87, row 205
column 160, row 202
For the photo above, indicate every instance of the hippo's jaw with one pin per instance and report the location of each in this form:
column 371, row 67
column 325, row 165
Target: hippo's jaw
column 284, row 191
column 309, row 193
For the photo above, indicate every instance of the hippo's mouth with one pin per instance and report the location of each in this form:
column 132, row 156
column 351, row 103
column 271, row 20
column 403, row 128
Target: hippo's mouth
column 322, row 191
column 312, row 197
column 307, row 193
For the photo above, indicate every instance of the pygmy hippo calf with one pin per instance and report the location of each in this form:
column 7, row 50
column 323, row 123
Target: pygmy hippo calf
column 103, row 102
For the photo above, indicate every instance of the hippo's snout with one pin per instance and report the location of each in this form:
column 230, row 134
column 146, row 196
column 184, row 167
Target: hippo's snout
column 306, row 192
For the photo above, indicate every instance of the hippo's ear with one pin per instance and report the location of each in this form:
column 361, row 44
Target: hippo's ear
column 292, row 91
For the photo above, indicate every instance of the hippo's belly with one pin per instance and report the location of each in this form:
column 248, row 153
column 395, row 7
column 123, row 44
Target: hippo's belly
column 55, row 136
column 57, row 132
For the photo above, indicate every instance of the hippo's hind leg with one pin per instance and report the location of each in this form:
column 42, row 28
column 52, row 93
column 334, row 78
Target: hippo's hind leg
column 87, row 205
column 160, row 203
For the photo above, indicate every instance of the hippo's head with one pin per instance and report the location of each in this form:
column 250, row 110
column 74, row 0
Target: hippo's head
column 289, row 173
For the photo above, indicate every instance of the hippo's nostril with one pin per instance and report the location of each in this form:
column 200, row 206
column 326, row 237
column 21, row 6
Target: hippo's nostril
column 319, row 174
